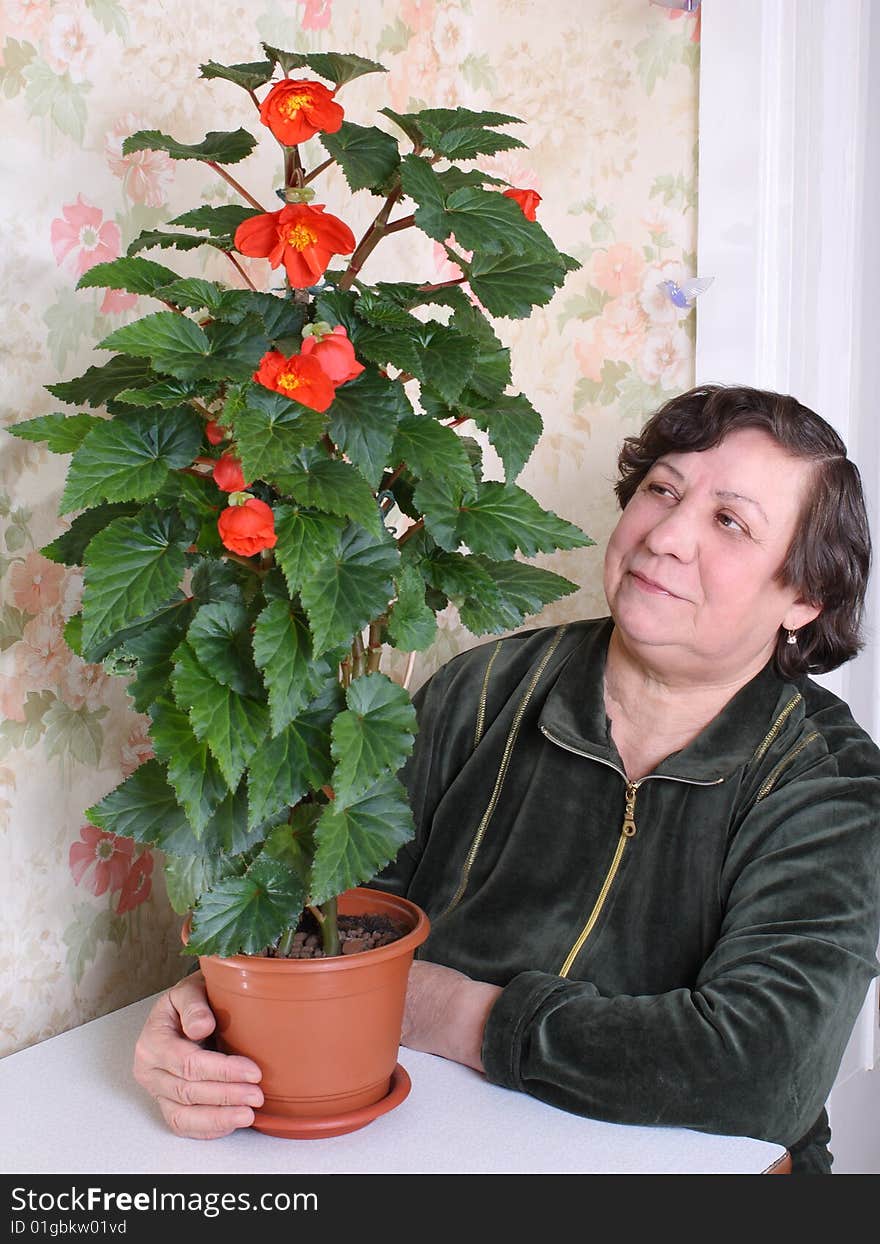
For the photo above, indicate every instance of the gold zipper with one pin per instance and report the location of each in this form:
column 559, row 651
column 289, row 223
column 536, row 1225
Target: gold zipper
column 627, row 831
column 502, row 773
column 783, row 764
column 777, row 725
column 481, row 711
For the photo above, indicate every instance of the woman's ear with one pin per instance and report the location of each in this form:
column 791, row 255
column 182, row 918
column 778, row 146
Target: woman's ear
column 799, row 614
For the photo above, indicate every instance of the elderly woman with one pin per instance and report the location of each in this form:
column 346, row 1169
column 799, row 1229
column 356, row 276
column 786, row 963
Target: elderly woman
column 649, row 843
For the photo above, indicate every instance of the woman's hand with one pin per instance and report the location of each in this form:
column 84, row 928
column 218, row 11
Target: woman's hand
column 446, row 1013
column 201, row 1093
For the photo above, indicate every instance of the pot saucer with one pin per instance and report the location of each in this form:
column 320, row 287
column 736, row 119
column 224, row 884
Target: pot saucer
column 336, row 1124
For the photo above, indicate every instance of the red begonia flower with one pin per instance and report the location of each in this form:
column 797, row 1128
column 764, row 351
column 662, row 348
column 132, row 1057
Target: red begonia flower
column 228, row 475
column 335, row 353
column 300, row 236
column 215, row 433
column 138, row 884
column 299, row 377
column 248, row 528
column 295, row 111
column 527, row 199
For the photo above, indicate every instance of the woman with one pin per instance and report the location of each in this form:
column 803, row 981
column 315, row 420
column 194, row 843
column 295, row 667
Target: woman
column 649, row 843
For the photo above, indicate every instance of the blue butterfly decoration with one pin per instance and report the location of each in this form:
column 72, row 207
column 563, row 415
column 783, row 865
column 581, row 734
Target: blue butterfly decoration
column 686, row 293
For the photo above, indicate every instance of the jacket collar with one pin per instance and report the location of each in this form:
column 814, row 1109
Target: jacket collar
column 574, row 715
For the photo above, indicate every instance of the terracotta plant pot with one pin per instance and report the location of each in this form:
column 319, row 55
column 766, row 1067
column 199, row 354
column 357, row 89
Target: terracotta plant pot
column 325, row 1032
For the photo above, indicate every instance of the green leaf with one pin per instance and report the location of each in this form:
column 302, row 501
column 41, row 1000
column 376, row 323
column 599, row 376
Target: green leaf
column 129, row 459
column 149, row 238
column 330, row 484
column 190, row 291
column 336, row 67
column 514, row 428
column 111, row 16
column 99, row 384
column 510, row 285
column 217, row 581
column 68, row 548
column 356, row 839
column 233, row 726
column 585, row 306
column 448, row 360
column 217, row 146
column 501, row 519
column 270, row 430
column 363, row 419
column 305, row 539
column 164, row 393
column 58, row 97
column 138, row 276
column 350, row 588
column 187, row 877
column 221, row 222
column 75, row 732
column 174, row 343
column 522, row 592
column 295, row 761
column 12, row 624
column 220, row 637
column 293, row 843
column 250, row 76
column 373, row 736
column 244, row 915
column 412, row 626
column 192, row 771
column 431, row 450
column 135, row 565
column 367, row 156
column 280, row 317
column 142, row 807
column 61, row 433
column 154, row 648
column 283, row 651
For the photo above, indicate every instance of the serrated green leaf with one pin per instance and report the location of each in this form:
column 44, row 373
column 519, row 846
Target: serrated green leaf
column 283, row 651
column 356, row 839
column 336, row 67
column 220, row 222
column 432, row 450
column 164, row 393
column 191, row 291
column 61, row 433
column 153, row 648
column 448, row 360
column 237, row 347
column 502, row 519
column 439, row 502
column 192, row 771
column 412, row 626
column 68, row 548
column 293, row 843
column 220, row 637
column 233, row 726
column 305, row 539
column 135, row 566
column 270, row 429
column 323, row 483
column 367, row 156
column 129, row 460
column 514, row 428
column 250, row 76
column 280, row 316
column 350, row 588
column 217, row 146
column 138, row 276
column 216, row 581
column 149, row 238
column 174, row 343
column 363, row 419
column 99, row 384
column 522, row 591
column 511, row 285
column 295, row 761
column 465, row 142
column 373, row 736
column 142, row 807
column 244, row 915
column 187, row 877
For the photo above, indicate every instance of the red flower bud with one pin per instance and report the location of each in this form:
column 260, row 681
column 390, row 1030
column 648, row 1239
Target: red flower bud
column 527, row 199
column 227, row 474
column 214, row 432
column 335, row 353
column 248, row 528
column 299, row 377
column 296, row 110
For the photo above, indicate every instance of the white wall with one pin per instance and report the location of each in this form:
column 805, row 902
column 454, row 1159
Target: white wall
column 789, row 191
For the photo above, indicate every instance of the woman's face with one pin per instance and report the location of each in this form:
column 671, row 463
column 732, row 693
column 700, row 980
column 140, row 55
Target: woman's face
column 689, row 569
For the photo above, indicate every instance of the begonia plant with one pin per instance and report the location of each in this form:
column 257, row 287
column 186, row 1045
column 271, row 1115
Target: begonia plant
column 272, row 489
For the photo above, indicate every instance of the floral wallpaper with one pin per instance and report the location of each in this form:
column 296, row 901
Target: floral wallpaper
column 609, row 97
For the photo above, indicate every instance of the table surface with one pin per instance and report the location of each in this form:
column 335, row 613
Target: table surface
column 70, row 1106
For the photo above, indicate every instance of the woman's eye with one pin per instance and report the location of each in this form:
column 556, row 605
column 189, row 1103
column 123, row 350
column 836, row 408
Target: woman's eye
column 660, row 489
column 731, row 523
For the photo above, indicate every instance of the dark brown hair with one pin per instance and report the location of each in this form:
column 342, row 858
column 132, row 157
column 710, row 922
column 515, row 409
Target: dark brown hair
column 829, row 559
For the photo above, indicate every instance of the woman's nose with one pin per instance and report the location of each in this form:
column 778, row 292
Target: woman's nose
column 673, row 535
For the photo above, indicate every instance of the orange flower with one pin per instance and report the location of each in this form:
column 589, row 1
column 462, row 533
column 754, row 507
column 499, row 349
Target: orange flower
column 300, row 236
column 299, row 377
column 295, row 111
column 215, row 432
column 227, row 474
column 335, row 353
column 248, row 528
column 527, row 199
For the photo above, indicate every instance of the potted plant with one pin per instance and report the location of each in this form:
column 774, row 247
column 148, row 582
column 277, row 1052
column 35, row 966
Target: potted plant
column 280, row 488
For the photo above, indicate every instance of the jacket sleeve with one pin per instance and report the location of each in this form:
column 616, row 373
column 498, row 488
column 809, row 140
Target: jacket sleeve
column 754, row 1047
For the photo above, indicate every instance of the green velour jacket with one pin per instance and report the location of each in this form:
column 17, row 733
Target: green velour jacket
column 690, row 949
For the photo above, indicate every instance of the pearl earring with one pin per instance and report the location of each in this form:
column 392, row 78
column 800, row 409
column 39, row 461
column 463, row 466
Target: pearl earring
column 792, row 637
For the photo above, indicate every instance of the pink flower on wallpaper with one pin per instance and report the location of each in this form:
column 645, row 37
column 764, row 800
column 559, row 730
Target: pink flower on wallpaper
column 418, row 14
column 590, row 356
column 138, row 884
column 36, row 583
column 146, row 175
column 445, row 269
column 414, row 73
column 666, row 358
column 100, row 860
column 28, row 19
column 116, row 301
column 82, row 236
column 12, row 693
column 137, row 748
column 620, row 331
column 659, row 308
column 83, row 685
column 618, row 270
column 42, row 656
column 317, row 14
column 71, row 44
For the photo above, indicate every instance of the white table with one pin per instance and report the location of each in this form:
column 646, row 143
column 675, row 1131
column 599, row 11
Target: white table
column 69, row 1105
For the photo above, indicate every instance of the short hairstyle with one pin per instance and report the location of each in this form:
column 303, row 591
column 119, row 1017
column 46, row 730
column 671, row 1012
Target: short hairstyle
column 829, row 558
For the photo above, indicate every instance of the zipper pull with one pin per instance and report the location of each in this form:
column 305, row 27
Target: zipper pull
column 628, row 829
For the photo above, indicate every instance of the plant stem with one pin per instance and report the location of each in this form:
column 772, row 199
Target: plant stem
column 229, row 255
column 374, row 649
column 235, row 185
column 405, row 222
column 319, row 168
column 285, row 943
column 429, row 289
column 411, row 531
column 370, row 240
column 330, row 927
column 358, row 656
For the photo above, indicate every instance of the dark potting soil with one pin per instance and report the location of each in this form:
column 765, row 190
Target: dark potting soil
column 356, row 933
